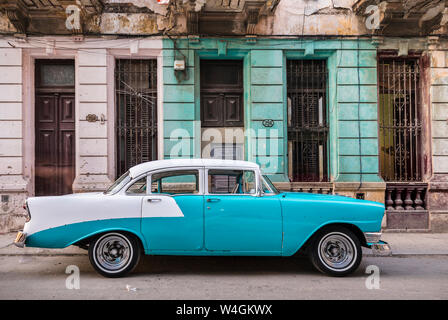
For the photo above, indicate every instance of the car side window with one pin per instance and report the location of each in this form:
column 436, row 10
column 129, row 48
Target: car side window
column 175, row 182
column 138, row 187
column 231, row 181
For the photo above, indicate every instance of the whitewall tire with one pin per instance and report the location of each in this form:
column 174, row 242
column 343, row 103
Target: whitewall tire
column 114, row 254
column 336, row 251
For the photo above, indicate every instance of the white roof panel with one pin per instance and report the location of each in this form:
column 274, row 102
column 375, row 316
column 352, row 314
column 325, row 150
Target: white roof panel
column 174, row 163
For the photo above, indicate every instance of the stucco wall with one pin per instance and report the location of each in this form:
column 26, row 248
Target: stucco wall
column 321, row 17
column 12, row 183
column 438, row 195
column 92, row 137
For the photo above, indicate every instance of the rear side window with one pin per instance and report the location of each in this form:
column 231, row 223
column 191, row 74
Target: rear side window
column 175, row 182
column 231, row 182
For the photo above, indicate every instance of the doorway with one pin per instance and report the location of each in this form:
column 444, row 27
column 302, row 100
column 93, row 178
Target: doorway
column 54, row 127
column 222, row 109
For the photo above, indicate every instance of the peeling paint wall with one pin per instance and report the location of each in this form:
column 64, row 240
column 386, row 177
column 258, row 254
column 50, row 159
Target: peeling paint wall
column 12, row 182
column 5, row 25
column 121, row 23
column 322, row 17
column 438, row 195
column 153, row 5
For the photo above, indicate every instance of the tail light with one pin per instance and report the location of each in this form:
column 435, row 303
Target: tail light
column 28, row 214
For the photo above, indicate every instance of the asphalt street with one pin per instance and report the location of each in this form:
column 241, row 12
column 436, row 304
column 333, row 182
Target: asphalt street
column 163, row 277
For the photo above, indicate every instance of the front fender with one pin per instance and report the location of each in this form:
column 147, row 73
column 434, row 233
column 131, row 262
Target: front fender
column 304, row 214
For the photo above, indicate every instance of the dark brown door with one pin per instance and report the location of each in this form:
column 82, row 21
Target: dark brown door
column 55, row 132
column 222, row 93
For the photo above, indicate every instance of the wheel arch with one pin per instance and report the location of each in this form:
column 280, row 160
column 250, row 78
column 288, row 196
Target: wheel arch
column 350, row 226
column 85, row 240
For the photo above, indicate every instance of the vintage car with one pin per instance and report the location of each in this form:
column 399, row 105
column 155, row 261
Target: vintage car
column 204, row 207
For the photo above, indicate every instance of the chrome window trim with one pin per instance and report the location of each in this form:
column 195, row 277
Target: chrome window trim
column 257, row 182
column 200, row 180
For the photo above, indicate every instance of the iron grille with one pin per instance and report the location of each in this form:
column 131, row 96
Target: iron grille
column 307, row 120
column 136, row 112
column 400, row 120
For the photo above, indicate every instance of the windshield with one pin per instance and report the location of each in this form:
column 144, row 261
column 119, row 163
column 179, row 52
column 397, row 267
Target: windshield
column 267, row 185
column 118, row 184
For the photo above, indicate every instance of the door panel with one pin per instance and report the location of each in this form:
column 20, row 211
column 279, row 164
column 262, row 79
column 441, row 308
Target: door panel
column 233, row 110
column 243, row 223
column 174, row 223
column 67, row 109
column 55, row 144
column 212, row 113
column 66, row 161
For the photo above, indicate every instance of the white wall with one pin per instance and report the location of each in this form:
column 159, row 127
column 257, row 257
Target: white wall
column 12, row 184
column 91, row 97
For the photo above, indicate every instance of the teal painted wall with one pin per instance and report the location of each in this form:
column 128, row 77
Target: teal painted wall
column 352, row 101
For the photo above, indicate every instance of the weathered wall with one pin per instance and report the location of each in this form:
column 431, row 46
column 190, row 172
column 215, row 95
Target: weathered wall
column 12, row 183
column 94, row 94
column 265, row 98
column 5, row 25
column 321, row 17
column 92, row 137
column 438, row 195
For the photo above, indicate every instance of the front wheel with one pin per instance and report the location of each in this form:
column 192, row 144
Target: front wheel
column 336, row 251
column 114, row 254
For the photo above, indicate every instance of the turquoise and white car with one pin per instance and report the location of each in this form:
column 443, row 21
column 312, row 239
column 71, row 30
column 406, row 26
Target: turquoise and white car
column 203, row 207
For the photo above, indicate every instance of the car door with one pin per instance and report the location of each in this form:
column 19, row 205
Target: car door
column 237, row 218
column 172, row 213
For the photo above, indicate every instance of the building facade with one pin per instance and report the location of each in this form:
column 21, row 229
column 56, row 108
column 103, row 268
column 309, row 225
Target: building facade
column 322, row 100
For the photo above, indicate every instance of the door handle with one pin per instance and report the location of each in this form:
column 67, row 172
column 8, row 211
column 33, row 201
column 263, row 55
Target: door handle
column 213, row 200
column 154, row 200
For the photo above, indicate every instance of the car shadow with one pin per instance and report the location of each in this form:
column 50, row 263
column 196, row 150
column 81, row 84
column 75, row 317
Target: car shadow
column 224, row 266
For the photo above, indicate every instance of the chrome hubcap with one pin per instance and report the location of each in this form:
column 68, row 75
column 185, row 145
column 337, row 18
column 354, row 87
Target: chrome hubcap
column 113, row 252
column 337, row 251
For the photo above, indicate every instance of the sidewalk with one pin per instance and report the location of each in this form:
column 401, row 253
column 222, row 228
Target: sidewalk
column 401, row 244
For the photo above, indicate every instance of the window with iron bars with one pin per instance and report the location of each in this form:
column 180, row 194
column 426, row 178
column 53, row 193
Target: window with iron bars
column 136, row 112
column 307, row 120
column 400, row 121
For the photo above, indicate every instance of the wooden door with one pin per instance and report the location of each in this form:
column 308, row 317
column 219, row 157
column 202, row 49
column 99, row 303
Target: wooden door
column 222, row 93
column 55, row 141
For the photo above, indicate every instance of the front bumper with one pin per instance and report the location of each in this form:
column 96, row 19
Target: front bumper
column 379, row 247
column 20, row 239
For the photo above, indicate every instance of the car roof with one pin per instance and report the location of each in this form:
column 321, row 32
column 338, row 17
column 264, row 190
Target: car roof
column 175, row 163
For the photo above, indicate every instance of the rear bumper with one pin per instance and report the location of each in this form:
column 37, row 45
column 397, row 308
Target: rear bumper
column 20, row 239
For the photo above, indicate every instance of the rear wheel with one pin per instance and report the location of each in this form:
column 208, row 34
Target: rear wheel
column 114, row 254
column 336, row 251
